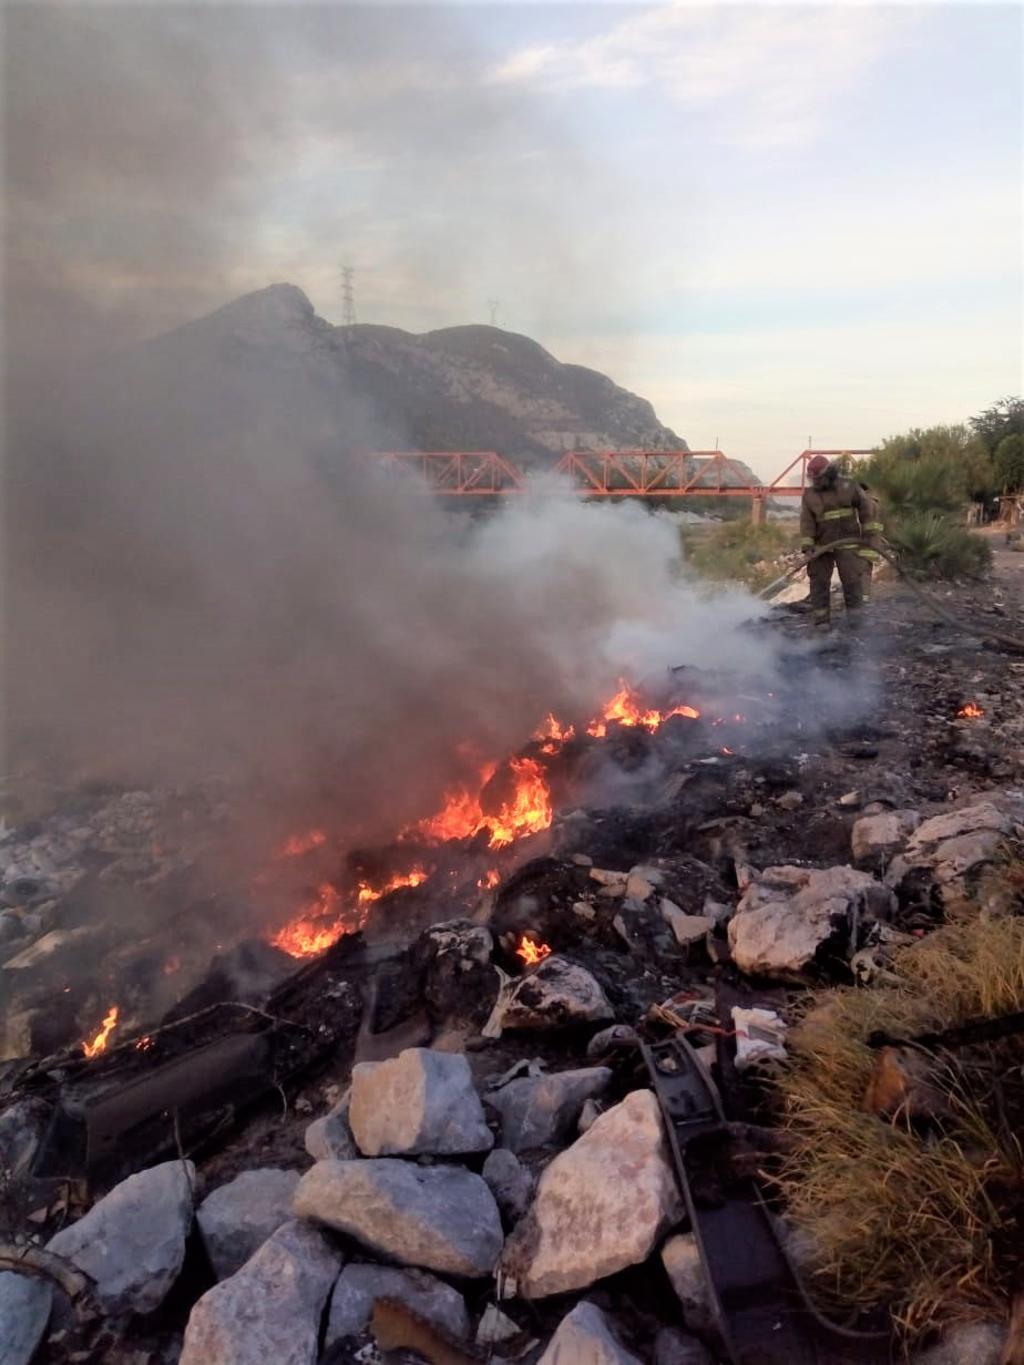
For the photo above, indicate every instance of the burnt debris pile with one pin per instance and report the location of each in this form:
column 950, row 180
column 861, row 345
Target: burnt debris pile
column 497, row 1089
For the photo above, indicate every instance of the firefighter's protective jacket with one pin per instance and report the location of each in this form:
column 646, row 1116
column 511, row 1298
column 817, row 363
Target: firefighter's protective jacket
column 839, row 513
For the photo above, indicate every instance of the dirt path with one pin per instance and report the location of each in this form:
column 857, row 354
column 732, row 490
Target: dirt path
column 1007, row 564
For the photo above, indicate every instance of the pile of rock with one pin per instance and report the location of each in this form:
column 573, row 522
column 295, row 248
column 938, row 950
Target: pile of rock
column 461, row 1196
column 408, row 1202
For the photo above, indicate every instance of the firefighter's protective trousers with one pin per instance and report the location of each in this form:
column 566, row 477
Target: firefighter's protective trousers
column 837, row 517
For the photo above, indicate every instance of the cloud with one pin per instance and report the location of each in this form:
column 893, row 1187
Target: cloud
column 771, row 73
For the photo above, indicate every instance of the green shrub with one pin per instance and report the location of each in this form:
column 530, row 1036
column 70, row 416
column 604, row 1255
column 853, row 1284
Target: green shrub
column 1009, row 463
column 940, row 468
column 934, row 546
column 739, row 551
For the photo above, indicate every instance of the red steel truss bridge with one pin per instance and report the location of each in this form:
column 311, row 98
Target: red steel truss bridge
column 604, row 473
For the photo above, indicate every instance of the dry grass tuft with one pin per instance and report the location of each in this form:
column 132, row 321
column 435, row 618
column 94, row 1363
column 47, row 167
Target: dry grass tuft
column 923, row 1221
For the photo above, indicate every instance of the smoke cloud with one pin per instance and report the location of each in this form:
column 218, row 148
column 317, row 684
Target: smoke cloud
column 207, row 579
column 202, row 577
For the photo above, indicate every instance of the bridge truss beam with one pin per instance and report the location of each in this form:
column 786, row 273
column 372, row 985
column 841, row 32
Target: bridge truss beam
column 605, row 473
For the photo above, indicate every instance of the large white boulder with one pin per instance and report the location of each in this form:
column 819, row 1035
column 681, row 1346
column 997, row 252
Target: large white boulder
column 270, row 1309
column 600, row 1206
column 418, row 1102
column 789, row 914
column 950, row 849
column 557, row 994
column 875, row 838
column 442, row 1218
column 132, row 1242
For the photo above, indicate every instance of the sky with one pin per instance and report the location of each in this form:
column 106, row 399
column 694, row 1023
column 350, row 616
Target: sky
column 773, row 221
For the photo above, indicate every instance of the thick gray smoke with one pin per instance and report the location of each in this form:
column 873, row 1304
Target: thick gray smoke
column 208, row 579
column 202, row 577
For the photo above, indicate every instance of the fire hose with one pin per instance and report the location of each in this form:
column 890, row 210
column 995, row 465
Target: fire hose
column 1002, row 641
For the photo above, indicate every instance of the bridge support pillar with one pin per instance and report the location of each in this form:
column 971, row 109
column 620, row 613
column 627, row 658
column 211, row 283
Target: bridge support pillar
column 758, row 510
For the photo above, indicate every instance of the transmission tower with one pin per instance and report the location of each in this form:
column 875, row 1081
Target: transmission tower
column 348, row 295
column 492, row 305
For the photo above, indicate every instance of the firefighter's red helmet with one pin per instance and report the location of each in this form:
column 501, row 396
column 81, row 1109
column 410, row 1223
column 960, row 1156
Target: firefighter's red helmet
column 816, row 466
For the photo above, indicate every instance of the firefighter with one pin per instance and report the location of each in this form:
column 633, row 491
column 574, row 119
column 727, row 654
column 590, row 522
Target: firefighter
column 834, row 512
column 872, row 530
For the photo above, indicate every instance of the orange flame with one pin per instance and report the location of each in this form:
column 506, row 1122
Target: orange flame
column 527, row 812
column 99, row 1043
column 368, row 894
column 172, row 965
column 321, row 924
column 299, row 844
column 489, row 880
column 532, row 952
column 144, row 1043
column 553, row 733
column 971, row 709
column 310, row 933
column 627, row 709
column 460, row 816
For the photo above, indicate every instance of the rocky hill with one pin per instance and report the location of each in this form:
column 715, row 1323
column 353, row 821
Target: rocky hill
column 468, row 388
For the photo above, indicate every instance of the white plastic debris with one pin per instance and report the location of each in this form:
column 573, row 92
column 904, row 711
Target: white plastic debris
column 760, row 1036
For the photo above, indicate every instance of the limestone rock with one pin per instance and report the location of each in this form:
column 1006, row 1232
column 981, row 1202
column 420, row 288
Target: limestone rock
column 685, row 1270
column 442, row 1218
column 643, row 881
column 557, row 994
column 536, row 1111
column 237, row 1218
column 876, row 837
column 510, row 1183
column 611, row 883
column 24, row 1311
column 419, row 1102
column 949, row 850
column 360, row 1286
column 789, row 914
column 977, row 815
column 600, row 1206
column 689, row 930
column 132, row 1242
column 270, row 1310
column 496, row 1327
column 330, row 1135
column 585, row 1337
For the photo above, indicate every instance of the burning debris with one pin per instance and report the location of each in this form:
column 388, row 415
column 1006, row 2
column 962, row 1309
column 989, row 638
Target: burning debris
column 625, row 708
column 99, row 1043
column 532, row 952
column 549, row 938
